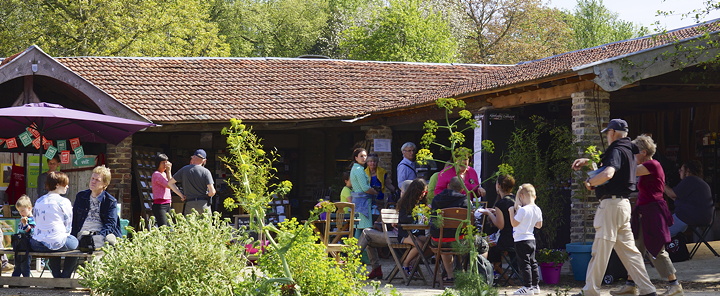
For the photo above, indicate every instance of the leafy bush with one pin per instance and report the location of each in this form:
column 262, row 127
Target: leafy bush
column 557, row 256
column 193, row 256
column 472, row 283
column 313, row 271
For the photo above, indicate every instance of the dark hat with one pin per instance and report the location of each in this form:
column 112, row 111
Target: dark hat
column 616, row 124
column 200, row 153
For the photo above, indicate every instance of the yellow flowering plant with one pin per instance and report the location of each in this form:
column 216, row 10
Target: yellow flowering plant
column 422, row 212
column 557, row 256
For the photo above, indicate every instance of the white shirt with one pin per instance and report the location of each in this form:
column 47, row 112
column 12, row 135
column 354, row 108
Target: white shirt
column 53, row 219
column 528, row 216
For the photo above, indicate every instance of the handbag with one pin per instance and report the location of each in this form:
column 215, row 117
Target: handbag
column 86, row 243
column 21, row 242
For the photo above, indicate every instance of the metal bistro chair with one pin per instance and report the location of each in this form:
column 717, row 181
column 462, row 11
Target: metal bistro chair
column 452, row 218
column 338, row 225
column 701, row 232
column 391, row 216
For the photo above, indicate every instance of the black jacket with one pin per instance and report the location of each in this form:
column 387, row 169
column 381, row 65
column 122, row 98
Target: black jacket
column 447, row 199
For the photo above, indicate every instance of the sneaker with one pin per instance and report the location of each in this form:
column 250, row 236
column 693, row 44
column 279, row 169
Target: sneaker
column 625, row 290
column 524, row 291
column 536, row 290
column 674, row 290
column 8, row 267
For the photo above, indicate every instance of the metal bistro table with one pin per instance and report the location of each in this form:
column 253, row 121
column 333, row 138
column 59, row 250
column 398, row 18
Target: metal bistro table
column 421, row 248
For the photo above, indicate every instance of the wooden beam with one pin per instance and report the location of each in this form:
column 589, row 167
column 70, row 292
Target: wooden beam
column 544, row 95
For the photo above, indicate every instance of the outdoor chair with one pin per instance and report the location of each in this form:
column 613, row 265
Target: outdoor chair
column 390, row 216
column 338, row 225
column 511, row 271
column 452, row 218
column 701, row 232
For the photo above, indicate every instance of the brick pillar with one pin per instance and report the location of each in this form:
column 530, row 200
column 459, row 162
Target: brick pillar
column 590, row 114
column 380, row 132
column 119, row 161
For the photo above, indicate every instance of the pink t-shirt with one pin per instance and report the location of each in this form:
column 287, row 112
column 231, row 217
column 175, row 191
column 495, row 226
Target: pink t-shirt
column 651, row 187
column 471, row 179
column 161, row 193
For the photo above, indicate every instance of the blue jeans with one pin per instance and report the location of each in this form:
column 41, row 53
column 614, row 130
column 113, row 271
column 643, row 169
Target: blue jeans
column 677, row 227
column 58, row 271
column 22, row 265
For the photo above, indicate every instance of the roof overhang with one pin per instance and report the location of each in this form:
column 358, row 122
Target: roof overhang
column 617, row 72
column 34, row 61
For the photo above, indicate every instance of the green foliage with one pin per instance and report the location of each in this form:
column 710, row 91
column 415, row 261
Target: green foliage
column 194, row 255
column 541, row 155
column 593, row 24
column 472, row 284
column 314, row 272
column 276, row 28
column 558, row 256
column 111, row 28
column 404, row 30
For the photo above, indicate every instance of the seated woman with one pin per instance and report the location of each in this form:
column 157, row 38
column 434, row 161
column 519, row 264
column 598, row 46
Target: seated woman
column 53, row 216
column 411, row 197
column 500, row 217
column 95, row 210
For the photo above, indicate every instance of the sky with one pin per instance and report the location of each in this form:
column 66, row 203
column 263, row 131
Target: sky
column 644, row 12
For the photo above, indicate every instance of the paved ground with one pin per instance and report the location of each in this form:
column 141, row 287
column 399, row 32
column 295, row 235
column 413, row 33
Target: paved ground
column 699, row 276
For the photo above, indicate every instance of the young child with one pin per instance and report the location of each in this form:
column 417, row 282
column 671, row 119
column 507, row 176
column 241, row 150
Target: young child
column 27, row 224
column 347, row 189
column 525, row 216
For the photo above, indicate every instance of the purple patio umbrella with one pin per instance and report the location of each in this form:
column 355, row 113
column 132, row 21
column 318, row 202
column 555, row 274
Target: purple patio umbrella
column 56, row 122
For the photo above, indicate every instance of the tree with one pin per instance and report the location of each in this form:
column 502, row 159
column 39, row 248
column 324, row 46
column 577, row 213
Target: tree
column 278, row 28
column 404, row 30
column 111, row 28
column 508, row 31
column 593, row 24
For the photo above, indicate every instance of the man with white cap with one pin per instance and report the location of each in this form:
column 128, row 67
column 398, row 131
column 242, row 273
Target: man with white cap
column 612, row 185
column 197, row 182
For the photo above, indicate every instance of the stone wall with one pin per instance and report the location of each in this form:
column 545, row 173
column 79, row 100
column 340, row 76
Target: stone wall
column 590, row 114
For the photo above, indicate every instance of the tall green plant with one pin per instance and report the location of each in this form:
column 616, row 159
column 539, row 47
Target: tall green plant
column 540, row 154
column 454, row 145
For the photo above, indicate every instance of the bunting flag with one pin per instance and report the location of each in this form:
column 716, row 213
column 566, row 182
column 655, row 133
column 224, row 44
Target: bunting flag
column 61, row 145
column 46, row 143
column 50, row 153
column 74, row 143
column 33, row 130
column 11, row 143
column 25, row 138
column 79, row 152
column 36, row 143
column 65, row 156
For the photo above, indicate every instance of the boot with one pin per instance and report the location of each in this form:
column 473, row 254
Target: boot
column 625, row 290
column 376, row 273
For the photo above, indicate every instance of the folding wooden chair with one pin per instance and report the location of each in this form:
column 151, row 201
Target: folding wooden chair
column 391, row 216
column 701, row 232
column 452, row 218
column 338, row 225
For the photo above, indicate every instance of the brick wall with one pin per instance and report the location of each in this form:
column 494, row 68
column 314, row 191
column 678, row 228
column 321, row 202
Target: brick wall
column 119, row 160
column 590, row 114
column 381, row 132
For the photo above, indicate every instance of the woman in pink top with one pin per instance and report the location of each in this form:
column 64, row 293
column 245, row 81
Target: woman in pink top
column 651, row 217
column 464, row 171
column 161, row 190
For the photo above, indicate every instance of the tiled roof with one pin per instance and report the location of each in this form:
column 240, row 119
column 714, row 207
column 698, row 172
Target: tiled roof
column 273, row 89
column 559, row 64
column 259, row 89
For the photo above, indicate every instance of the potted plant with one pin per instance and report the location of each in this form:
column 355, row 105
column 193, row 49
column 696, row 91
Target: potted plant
column 550, row 262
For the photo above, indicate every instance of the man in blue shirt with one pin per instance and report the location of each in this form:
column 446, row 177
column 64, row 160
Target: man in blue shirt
column 406, row 169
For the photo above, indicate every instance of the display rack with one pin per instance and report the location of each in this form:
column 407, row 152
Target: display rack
column 143, row 167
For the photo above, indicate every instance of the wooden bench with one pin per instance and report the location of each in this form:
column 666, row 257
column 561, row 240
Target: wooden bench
column 41, row 281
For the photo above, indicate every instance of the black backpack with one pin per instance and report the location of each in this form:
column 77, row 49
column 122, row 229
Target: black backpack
column 677, row 248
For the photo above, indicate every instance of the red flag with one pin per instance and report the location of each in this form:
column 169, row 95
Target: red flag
column 11, row 143
column 65, row 156
column 74, row 143
column 33, row 131
column 36, row 143
column 46, row 143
